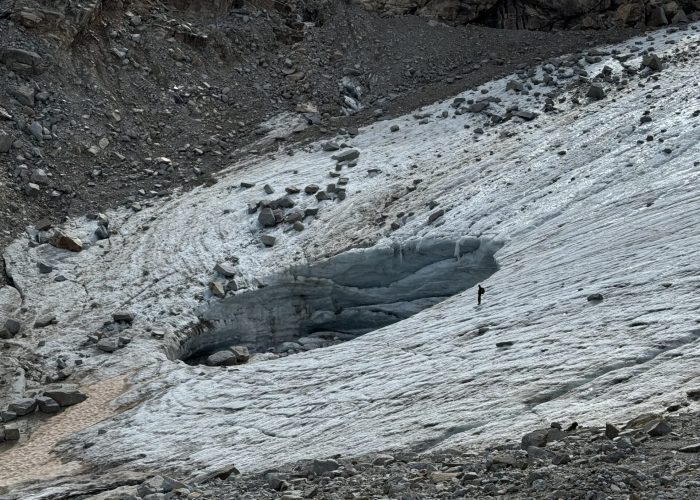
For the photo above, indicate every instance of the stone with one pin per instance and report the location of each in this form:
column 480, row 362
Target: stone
column 538, row 453
column 217, row 289
column 156, row 484
column 21, row 61
column 44, row 321
column 11, row 326
column 268, row 189
column 311, row 189
column 268, row 240
column 7, row 416
column 123, row 317
column 23, row 406
column 241, row 352
column 441, row 477
column 292, row 190
column 222, row 358
column 12, row 434
column 225, row 269
column 107, row 345
column 478, row 107
column 101, row 233
column 298, row 226
column 652, row 61
column 394, row 128
column 691, row 448
column 515, row 85
column 657, row 428
column 267, row 217
column 33, row 189
column 642, row 420
column 65, row 395
column 37, row 131
column 321, row 196
column 330, row 146
column 347, row 155
column 435, row 216
column 657, row 17
column 321, row 467
column 6, row 141
column 23, row 95
column 611, row 432
column 65, row 242
column 594, row 297
column 311, row 211
column 47, row 405
column 526, row 115
column 596, row 92
column 561, row 458
column 535, row 438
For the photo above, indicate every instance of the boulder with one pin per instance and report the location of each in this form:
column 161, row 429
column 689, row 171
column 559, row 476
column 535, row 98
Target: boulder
column 657, row 17
column 45, row 320
column 657, row 428
column 225, row 269
column 268, row 240
column 7, row 416
column 267, row 217
column 47, row 405
column 65, row 395
column 652, row 61
column 536, row 438
column 347, row 155
column 241, row 352
column 65, row 242
column 321, row 467
column 10, row 328
column 12, row 434
column 23, row 94
column 123, row 317
column 6, row 141
column 23, row 406
column 107, row 345
column 596, row 92
column 222, row 358
column 611, row 432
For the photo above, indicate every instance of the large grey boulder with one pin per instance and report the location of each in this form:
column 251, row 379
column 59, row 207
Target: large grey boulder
column 65, row 395
column 222, row 358
column 266, row 218
column 47, row 405
column 23, row 406
column 10, row 328
column 346, row 155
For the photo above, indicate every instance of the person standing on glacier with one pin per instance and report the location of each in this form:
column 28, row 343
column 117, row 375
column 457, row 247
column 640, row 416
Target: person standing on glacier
column 480, row 292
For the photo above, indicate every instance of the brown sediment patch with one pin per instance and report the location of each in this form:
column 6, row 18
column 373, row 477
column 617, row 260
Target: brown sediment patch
column 35, row 460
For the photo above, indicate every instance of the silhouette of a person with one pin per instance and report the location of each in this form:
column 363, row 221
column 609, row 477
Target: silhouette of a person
column 480, row 292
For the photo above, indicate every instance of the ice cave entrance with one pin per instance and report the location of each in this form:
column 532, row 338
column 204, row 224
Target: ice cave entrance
column 341, row 298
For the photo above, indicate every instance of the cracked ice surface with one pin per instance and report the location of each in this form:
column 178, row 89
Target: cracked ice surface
column 611, row 216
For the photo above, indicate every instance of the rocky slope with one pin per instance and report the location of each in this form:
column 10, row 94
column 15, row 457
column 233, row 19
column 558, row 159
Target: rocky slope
column 546, row 14
column 110, row 103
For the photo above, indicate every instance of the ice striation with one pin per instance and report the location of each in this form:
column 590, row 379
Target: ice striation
column 578, row 201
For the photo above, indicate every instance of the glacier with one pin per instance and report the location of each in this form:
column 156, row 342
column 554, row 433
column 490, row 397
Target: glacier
column 575, row 202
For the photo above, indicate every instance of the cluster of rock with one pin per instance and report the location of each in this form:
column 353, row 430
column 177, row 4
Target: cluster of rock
column 111, row 338
column 47, row 400
column 547, row 14
column 651, row 454
column 272, row 213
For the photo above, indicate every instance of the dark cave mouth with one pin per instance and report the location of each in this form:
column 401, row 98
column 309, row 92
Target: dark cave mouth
column 338, row 299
